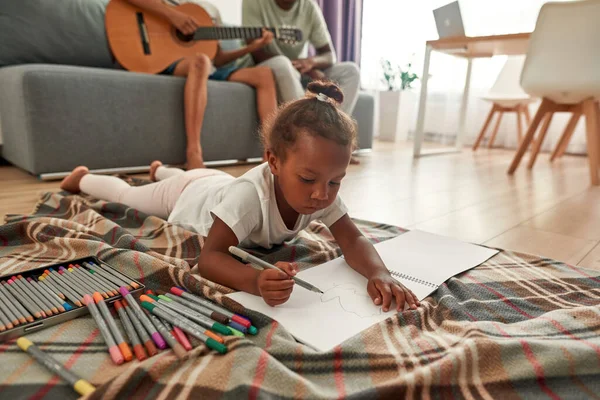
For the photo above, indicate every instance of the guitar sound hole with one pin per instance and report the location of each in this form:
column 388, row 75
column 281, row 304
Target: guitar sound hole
column 184, row 38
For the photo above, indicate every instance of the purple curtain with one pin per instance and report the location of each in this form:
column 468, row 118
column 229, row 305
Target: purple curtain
column 344, row 20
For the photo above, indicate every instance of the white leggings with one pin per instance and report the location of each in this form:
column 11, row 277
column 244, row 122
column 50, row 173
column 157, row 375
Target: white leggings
column 156, row 198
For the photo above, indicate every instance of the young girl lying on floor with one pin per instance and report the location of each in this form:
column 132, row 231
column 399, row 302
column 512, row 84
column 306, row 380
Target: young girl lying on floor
column 308, row 148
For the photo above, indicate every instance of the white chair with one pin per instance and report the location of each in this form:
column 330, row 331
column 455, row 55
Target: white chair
column 506, row 95
column 563, row 68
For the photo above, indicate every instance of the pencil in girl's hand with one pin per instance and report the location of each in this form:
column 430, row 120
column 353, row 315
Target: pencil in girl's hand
column 80, row 385
column 247, row 257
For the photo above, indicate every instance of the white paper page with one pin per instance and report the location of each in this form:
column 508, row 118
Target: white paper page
column 430, row 257
column 345, row 309
column 323, row 320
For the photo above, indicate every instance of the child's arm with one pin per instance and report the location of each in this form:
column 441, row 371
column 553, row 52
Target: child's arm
column 364, row 259
column 216, row 264
column 225, row 57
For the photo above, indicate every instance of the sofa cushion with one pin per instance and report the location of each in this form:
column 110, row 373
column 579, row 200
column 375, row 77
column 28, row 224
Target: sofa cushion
column 52, row 31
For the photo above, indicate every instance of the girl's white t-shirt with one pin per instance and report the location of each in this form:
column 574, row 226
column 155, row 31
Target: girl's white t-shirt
column 247, row 205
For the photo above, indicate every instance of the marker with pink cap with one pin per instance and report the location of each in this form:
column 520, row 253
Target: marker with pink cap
column 135, row 307
column 113, row 349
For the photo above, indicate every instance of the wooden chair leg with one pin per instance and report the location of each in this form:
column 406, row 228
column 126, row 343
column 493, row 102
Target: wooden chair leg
column 593, row 141
column 484, row 128
column 527, row 115
column 541, row 112
column 598, row 123
column 563, row 142
column 493, row 137
column 541, row 136
column 519, row 127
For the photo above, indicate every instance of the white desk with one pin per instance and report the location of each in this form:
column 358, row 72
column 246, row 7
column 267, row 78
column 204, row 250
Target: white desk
column 468, row 48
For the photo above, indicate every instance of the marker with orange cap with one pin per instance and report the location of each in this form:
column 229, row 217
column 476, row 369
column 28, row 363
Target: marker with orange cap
column 186, row 325
column 7, row 308
column 202, row 326
column 109, row 276
column 135, row 307
column 98, row 277
column 44, row 296
column 64, row 274
column 87, row 275
column 112, row 325
column 23, row 299
column 89, row 286
column 47, row 283
column 103, row 266
column 164, row 332
column 64, row 288
column 51, row 294
column 19, row 310
column 138, row 349
column 175, row 330
column 143, row 334
column 113, row 349
column 189, row 313
column 27, row 292
column 66, row 282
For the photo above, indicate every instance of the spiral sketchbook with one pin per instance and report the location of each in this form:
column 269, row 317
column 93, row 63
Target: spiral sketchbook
column 419, row 260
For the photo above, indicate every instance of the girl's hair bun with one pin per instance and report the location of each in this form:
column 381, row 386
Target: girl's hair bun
column 328, row 89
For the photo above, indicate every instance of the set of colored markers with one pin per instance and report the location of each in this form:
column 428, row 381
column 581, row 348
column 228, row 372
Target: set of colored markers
column 24, row 300
column 162, row 321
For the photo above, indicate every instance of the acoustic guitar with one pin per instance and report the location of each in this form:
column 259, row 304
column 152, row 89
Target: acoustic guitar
column 144, row 42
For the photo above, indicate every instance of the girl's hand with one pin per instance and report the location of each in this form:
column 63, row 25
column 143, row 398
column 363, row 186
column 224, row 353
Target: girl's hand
column 275, row 287
column 383, row 289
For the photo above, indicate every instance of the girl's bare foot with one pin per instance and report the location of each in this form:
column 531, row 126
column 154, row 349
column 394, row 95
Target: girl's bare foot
column 194, row 160
column 71, row 182
column 354, row 161
column 153, row 167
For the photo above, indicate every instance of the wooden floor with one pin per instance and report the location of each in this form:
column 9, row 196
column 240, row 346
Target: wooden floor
column 550, row 211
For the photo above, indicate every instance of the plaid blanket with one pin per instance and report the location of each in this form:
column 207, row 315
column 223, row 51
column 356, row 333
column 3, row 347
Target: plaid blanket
column 517, row 326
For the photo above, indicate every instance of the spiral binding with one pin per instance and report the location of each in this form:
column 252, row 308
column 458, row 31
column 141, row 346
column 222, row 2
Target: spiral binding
column 413, row 279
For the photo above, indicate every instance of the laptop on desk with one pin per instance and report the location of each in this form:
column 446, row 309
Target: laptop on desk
column 449, row 23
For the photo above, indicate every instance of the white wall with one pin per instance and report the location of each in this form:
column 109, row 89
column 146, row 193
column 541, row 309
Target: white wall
column 231, row 10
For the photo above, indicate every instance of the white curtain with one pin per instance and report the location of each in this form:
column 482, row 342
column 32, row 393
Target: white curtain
column 397, row 30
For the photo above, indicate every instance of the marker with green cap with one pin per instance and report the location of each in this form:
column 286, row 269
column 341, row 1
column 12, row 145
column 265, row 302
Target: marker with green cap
column 186, row 325
column 245, row 322
column 193, row 315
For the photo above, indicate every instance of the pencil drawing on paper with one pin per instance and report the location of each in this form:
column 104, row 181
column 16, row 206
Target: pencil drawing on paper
column 352, row 299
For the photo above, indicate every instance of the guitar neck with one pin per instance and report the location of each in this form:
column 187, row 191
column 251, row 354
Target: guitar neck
column 223, row 32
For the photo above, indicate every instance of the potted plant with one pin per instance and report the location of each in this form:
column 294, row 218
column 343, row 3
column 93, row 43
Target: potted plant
column 394, row 119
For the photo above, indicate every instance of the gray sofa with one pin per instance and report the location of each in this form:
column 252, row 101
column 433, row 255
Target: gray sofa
column 55, row 117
